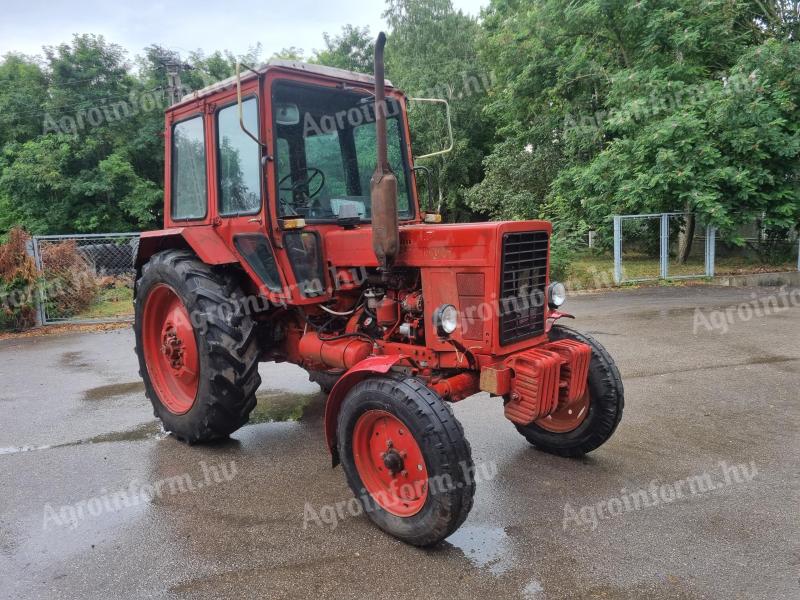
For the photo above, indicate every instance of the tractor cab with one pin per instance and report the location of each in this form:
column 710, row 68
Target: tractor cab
column 262, row 165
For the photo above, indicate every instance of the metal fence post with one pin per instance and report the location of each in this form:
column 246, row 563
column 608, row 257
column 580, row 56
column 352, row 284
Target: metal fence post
column 798, row 254
column 664, row 246
column 617, row 249
column 711, row 247
column 31, row 249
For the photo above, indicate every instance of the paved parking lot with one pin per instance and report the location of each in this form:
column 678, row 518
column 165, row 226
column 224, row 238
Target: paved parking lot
column 257, row 516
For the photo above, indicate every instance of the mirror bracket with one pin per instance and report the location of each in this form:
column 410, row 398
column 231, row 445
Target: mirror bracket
column 449, row 125
column 255, row 138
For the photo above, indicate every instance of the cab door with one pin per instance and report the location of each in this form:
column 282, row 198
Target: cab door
column 239, row 190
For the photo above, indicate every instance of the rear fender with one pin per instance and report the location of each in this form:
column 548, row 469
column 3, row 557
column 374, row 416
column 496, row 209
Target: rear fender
column 370, row 366
column 203, row 241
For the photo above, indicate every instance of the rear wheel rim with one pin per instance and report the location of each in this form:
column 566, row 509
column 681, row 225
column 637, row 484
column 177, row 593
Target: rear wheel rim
column 170, row 349
column 568, row 416
column 390, row 463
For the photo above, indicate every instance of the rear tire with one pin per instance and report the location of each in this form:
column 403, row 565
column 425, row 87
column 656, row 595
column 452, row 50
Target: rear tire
column 438, row 459
column 606, row 402
column 224, row 338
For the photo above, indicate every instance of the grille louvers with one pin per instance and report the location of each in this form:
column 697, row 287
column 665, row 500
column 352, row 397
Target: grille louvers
column 522, row 286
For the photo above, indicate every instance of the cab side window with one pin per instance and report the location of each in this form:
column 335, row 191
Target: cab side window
column 238, row 160
column 189, row 189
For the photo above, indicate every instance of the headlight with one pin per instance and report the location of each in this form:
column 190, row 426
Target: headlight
column 556, row 294
column 445, row 319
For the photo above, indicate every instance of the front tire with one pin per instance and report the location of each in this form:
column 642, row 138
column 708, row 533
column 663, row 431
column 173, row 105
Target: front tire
column 197, row 349
column 604, row 403
column 405, row 457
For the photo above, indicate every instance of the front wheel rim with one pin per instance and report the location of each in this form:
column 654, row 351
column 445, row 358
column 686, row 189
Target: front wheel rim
column 568, row 416
column 390, row 463
column 170, row 349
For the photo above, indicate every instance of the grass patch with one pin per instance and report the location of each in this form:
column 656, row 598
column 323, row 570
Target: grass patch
column 594, row 271
column 112, row 302
column 280, row 406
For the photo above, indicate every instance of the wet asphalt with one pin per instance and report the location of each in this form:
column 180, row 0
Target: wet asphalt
column 76, row 429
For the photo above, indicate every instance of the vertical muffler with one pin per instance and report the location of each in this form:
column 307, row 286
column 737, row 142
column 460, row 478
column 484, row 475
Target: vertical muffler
column 383, row 185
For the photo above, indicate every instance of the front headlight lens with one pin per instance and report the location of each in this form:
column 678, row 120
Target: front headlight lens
column 556, row 294
column 445, row 319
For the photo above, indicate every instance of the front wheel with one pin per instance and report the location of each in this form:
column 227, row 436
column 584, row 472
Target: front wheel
column 579, row 427
column 405, row 457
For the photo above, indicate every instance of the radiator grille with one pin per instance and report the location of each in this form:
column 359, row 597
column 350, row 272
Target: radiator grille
column 522, row 286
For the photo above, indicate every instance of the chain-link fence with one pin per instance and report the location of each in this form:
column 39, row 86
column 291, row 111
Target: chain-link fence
column 754, row 248
column 680, row 246
column 86, row 278
column 637, row 248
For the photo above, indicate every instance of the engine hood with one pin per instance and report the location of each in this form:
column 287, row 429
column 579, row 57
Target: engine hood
column 460, row 244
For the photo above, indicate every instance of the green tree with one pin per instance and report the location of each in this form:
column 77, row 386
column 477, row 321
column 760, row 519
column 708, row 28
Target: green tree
column 624, row 106
column 23, row 91
column 432, row 51
column 353, row 50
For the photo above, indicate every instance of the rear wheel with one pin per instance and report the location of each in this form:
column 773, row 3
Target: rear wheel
column 405, row 457
column 197, row 350
column 579, row 427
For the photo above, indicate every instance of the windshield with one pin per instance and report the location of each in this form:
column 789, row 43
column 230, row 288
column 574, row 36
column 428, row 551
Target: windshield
column 325, row 152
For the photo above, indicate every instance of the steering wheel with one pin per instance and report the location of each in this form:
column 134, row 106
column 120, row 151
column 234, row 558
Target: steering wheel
column 311, row 174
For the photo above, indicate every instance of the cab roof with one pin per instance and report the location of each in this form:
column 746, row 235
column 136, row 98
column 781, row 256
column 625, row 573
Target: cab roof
column 273, row 63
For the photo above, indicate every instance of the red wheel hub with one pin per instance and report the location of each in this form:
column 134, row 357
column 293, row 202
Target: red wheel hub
column 390, row 463
column 170, row 349
column 567, row 416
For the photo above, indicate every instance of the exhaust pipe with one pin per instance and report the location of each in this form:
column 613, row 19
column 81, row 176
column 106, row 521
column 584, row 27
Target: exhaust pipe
column 383, row 185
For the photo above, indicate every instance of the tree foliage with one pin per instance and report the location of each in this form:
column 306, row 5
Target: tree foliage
column 571, row 111
column 616, row 106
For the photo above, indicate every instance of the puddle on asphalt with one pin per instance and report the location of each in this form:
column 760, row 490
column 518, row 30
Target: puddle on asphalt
column 279, row 406
column 73, row 360
column 533, row 590
column 662, row 313
column 484, row 546
column 145, row 431
column 115, row 390
column 272, row 406
column 17, row 450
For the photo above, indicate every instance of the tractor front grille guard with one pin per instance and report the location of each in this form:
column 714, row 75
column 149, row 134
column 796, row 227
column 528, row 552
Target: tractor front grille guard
column 522, row 285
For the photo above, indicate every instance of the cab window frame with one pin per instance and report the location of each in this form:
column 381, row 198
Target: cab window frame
column 174, row 170
column 218, row 155
column 407, row 217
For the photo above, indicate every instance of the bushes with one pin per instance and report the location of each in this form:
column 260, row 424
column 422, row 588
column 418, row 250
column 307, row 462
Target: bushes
column 69, row 280
column 72, row 284
column 17, row 283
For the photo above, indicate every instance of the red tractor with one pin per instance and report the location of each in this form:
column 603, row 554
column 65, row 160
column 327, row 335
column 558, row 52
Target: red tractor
column 293, row 232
